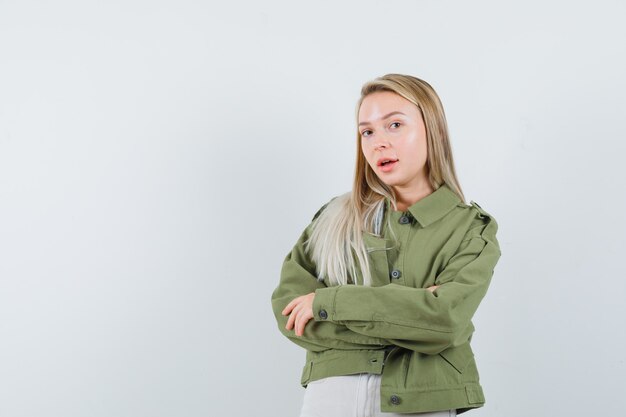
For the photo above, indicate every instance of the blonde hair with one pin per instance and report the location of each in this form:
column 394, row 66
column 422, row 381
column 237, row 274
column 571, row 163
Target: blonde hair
column 335, row 243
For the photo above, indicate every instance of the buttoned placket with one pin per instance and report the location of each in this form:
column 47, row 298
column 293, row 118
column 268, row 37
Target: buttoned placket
column 402, row 223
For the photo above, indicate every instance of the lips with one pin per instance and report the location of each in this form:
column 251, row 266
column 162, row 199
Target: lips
column 385, row 161
column 387, row 165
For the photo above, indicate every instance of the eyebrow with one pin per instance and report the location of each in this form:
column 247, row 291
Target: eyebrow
column 384, row 117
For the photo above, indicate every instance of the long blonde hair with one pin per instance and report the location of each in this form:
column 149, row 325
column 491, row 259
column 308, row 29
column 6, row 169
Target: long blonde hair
column 335, row 243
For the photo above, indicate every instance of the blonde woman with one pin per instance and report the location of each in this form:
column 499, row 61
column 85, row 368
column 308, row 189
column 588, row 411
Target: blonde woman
column 381, row 286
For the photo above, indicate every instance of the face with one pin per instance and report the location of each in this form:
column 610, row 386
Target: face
column 392, row 127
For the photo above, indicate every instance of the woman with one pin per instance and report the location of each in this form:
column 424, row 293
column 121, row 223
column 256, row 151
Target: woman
column 381, row 286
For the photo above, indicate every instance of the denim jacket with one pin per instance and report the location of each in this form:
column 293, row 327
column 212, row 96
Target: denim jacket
column 417, row 339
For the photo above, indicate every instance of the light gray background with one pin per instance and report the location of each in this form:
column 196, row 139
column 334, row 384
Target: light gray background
column 159, row 159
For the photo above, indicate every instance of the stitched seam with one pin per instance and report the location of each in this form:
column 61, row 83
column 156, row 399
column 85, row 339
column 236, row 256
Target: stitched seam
column 335, row 303
column 436, row 389
column 473, row 237
column 397, row 322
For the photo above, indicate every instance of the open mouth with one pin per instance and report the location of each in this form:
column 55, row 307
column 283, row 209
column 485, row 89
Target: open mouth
column 386, row 161
column 387, row 164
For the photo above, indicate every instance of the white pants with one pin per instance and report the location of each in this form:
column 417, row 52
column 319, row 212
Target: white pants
column 351, row 396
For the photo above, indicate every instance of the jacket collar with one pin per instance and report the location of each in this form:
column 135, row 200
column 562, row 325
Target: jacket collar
column 432, row 207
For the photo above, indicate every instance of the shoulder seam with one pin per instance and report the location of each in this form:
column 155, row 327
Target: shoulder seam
column 480, row 210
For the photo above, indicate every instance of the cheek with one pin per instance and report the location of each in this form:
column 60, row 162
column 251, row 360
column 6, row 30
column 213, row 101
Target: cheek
column 417, row 147
column 423, row 146
column 365, row 154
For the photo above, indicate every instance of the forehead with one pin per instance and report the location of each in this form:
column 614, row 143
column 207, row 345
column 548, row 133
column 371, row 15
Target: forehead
column 380, row 103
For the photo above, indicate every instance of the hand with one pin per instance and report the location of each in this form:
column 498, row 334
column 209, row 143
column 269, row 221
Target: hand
column 301, row 310
column 432, row 288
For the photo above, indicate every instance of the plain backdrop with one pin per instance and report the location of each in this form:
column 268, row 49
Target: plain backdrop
column 158, row 160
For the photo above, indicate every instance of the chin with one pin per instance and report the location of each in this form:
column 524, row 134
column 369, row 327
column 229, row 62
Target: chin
column 388, row 182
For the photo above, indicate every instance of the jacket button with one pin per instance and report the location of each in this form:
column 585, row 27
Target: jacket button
column 404, row 219
column 395, row 400
column 323, row 314
column 396, row 274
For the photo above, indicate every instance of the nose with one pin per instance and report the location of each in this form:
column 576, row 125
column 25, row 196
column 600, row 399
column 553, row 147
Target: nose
column 380, row 140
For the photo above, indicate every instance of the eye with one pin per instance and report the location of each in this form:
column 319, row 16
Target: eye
column 364, row 133
column 396, row 123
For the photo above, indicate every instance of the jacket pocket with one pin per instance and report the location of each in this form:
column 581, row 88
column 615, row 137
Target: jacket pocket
column 459, row 357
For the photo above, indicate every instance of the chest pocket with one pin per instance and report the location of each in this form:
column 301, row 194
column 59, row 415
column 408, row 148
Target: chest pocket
column 379, row 263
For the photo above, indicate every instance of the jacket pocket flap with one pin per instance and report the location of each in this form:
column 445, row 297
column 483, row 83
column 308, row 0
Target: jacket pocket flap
column 459, row 356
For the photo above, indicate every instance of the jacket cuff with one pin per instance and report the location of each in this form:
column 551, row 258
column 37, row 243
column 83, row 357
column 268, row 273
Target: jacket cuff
column 324, row 303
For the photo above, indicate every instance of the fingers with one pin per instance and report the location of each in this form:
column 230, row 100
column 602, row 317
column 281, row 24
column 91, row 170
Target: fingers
column 300, row 312
column 301, row 321
column 432, row 288
column 293, row 316
column 291, row 304
column 298, row 319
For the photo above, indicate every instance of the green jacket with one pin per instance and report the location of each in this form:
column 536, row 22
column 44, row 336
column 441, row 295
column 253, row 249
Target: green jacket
column 417, row 339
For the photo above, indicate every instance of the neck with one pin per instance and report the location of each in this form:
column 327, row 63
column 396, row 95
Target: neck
column 406, row 198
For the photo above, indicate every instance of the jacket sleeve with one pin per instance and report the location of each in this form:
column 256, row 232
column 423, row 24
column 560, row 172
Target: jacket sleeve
column 298, row 277
column 416, row 318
